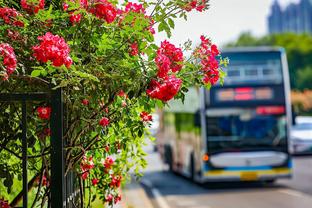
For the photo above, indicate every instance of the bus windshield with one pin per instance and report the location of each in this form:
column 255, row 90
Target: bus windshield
column 245, row 129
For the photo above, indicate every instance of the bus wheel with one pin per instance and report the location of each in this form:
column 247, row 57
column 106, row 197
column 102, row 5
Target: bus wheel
column 192, row 168
column 169, row 159
column 270, row 182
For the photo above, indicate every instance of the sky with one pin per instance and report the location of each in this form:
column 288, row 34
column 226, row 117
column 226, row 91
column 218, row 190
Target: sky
column 224, row 21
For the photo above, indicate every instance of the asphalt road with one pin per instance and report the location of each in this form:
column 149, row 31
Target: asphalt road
column 168, row 190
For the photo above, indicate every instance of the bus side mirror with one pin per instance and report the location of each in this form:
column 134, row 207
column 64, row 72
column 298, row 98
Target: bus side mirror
column 197, row 122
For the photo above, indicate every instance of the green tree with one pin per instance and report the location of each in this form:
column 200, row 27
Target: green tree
column 298, row 48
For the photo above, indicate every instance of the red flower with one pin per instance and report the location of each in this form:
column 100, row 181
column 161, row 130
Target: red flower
column 85, row 175
column 211, row 77
column 214, row 50
column 121, row 93
column 164, row 90
column 9, row 16
column 52, row 48
column 109, row 198
column 104, row 121
column 86, row 163
column 145, row 116
column 95, row 181
column 32, row 6
column 85, row 102
column 168, row 58
column 44, row 112
column 75, row 18
column 196, row 4
column 109, row 162
column 117, row 198
column 104, row 10
column 8, row 58
column 47, row 132
column 116, row 181
column 134, row 7
column 4, row 203
column 134, row 49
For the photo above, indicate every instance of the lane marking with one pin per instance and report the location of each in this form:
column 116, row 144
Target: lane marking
column 160, row 199
column 291, row 192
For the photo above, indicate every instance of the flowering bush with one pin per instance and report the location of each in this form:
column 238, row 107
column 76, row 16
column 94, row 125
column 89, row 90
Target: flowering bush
column 102, row 53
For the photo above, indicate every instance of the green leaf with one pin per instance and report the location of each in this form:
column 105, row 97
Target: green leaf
column 35, row 73
column 171, row 23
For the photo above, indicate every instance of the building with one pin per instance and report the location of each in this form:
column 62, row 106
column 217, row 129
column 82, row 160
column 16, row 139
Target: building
column 296, row 18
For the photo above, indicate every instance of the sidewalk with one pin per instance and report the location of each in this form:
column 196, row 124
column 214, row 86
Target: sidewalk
column 134, row 196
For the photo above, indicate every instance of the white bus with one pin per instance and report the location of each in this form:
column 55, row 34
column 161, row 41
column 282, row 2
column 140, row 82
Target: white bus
column 235, row 132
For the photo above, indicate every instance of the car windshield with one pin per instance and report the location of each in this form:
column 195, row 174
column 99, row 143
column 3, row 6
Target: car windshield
column 303, row 126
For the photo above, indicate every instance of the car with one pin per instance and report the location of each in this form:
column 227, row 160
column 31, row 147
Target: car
column 301, row 136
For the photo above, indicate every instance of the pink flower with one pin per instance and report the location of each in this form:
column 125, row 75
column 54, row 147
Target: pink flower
column 8, row 58
column 109, row 198
column 44, row 113
column 146, row 117
column 104, row 122
column 52, row 48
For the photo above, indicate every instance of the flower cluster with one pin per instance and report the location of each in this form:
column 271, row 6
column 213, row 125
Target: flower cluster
column 104, row 10
column 168, row 58
column 44, row 113
column 75, row 18
column 109, row 162
column 52, row 48
column 116, row 181
column 134, row 7
column 86, row 165
column 109, row 198
column 134, row 49
column 207, row 53
column 199, row 5
column 9, row 58
column 164, row 90
column 9, row 16
column 146, row 117
column 31, row 6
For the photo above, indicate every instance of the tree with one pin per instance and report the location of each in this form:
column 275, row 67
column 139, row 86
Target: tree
column 298, row 48
column 102, row 54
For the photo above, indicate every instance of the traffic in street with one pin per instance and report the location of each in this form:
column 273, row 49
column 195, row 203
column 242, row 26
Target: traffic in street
column 169, row 190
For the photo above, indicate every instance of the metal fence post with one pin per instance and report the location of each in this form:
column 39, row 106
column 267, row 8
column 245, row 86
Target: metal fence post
column 57, row 147
column 24, row 154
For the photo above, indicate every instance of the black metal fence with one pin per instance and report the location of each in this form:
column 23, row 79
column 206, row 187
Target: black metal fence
column 64, row 189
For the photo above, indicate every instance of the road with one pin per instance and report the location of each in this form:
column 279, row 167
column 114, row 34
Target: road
column 168, row 190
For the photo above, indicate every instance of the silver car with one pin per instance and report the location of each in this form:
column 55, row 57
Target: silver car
column 301, row 136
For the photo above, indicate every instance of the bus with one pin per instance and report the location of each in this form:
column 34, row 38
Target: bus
column 237, row 131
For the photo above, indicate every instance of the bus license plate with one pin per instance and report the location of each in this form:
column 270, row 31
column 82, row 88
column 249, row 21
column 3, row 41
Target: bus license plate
column 249, row 176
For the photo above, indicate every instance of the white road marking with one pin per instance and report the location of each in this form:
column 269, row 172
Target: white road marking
column 160, row 199
column 291, row 192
